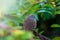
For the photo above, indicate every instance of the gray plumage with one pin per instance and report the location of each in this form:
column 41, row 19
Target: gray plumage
column 30, row 23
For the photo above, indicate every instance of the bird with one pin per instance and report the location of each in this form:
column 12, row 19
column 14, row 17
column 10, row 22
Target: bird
column 30, row 23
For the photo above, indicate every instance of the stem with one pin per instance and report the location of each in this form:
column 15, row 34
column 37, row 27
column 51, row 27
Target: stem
column 40, row 36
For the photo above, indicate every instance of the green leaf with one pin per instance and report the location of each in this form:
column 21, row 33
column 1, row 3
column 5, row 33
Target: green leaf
column 9, row 38
column 58, row 12
column 55, row 25
column 56, row 38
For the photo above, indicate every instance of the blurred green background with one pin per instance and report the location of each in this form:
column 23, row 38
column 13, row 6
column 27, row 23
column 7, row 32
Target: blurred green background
column 13, row 12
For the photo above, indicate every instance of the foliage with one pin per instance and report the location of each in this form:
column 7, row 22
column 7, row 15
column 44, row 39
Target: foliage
column 15, row 35
column 46, row 8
